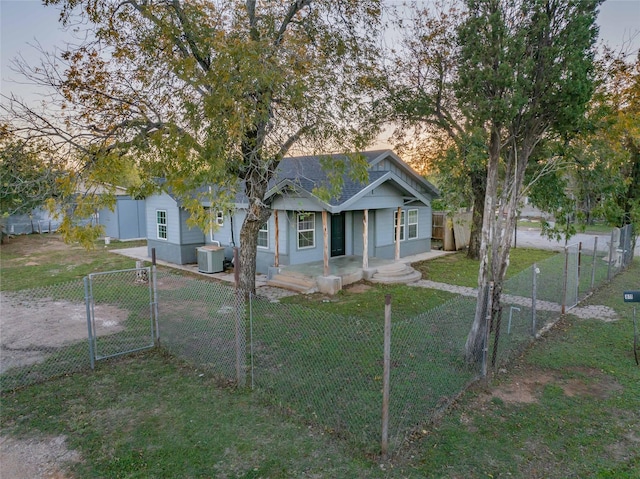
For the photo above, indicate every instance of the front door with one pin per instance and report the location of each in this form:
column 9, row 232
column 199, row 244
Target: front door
column 337, row 235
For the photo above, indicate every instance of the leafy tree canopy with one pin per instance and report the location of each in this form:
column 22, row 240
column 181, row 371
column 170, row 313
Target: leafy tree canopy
column 216, row 93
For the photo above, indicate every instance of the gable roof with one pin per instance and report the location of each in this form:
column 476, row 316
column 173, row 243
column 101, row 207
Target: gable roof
column 304, row 173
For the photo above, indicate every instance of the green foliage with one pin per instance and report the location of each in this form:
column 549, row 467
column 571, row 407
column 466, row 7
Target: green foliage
column 217, row 93
column 28, row 175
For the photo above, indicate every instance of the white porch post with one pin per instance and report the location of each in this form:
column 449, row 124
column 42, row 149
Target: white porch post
column 325, row 238
column 365, row 240
column 398, row 218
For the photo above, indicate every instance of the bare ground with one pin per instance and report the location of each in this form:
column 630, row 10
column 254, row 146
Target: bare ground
column 33, row 328
column 35, row 458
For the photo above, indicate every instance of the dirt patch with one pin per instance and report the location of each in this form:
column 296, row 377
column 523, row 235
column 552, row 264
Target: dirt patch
column 35, row 458
column 32, row 245
column 523, row 389
column 358, row 288
column 33, row 328
column 528, row 389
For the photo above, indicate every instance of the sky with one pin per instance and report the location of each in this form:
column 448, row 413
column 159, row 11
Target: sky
column 24, row 22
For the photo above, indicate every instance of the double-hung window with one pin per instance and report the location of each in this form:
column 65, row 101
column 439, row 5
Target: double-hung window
column 161, row 224
column 263, row 236
column 395, row 225
column 306, row 230
column 412, row 224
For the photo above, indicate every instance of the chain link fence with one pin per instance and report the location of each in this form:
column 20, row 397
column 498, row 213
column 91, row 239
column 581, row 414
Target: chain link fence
column 534, row 299
column 120, row 312
column 326, row 369
column 44, row 334
column 203, row 322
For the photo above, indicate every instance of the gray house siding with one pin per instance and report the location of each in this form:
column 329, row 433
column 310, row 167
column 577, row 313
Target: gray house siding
column 385, row 234
column 358, row 228
column 180, row 245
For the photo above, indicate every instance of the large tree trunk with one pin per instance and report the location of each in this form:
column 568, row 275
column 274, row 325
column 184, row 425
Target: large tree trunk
column 479, row 329
column 478, row 187
column 257, row 214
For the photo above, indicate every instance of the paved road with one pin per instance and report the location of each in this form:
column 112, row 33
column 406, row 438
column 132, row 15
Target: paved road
column 531, row 238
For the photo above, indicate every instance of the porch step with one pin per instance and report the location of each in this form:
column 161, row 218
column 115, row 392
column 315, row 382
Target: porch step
column 396, row 273
column 293, row 282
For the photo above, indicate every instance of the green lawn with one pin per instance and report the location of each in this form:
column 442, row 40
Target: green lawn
column 457, row 269
column 568, row 407
column 33, row 261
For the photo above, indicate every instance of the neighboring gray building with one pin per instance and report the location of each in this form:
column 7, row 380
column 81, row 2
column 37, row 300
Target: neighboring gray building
column 294, row 232
column 126, row 221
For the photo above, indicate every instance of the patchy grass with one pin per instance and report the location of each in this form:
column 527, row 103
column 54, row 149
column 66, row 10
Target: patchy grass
column 567, row 408
column 31, row 261
column 457, row 269
column 148, row 416
column 367, row 300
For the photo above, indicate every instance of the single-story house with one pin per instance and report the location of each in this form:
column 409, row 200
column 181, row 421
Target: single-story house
column 362, row 221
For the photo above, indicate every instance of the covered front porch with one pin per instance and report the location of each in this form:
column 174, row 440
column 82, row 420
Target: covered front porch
column 332, row 274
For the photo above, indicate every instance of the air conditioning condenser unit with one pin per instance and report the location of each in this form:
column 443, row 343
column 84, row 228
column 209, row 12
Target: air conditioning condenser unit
column 210, row 259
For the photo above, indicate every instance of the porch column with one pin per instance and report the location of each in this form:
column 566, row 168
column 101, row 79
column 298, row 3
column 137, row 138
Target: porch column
column 276, row 255
column 325, row 238
column 365, row 240
column 398, row 218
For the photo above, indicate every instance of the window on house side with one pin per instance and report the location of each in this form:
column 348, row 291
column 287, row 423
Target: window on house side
column 306, row 230
column 412, row 224
column 263, row 236
column 395, row 225
column 161, row 223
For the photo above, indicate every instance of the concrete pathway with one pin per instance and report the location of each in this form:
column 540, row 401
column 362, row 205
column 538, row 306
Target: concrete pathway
column 603, row 313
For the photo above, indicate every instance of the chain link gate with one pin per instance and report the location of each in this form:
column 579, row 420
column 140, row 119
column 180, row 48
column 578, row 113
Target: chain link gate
column 120, row 312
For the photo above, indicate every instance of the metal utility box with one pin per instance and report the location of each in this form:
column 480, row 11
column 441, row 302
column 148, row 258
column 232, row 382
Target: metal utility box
column 210, row 259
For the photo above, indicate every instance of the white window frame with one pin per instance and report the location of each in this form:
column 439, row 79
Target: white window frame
column 395, row 224
column 161, row 225
column 412, row 223
column 306, row 217
column 264, row 229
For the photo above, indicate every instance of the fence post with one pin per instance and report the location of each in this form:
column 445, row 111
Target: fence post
column 154, row 282
column 579, row 271
column 593, row 263
column 87, row 302
column 485, row 348
column 251, row 335
column 534, row 293
column 611, row 248
column 239, row 333
column 564, row 279
column 386, row 376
